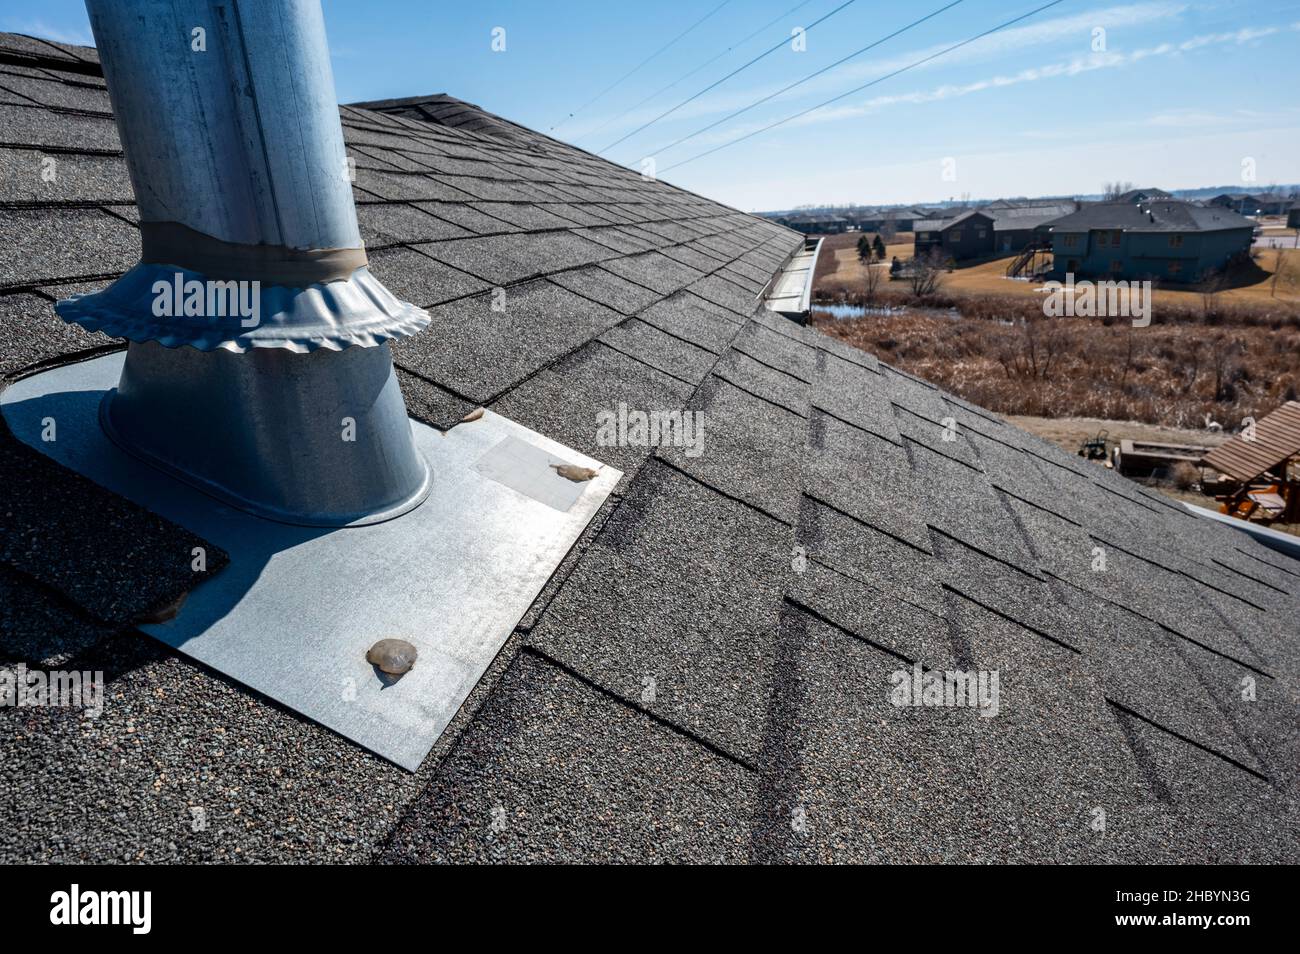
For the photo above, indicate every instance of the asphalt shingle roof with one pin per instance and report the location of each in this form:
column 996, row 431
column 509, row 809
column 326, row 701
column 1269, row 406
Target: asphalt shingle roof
column 1028, row 216
column 1159, row 215
column 932, row 225
column 707, row 675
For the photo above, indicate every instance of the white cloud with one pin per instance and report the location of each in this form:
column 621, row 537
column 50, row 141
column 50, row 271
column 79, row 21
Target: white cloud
column 1072, row 67
column 1077, row 27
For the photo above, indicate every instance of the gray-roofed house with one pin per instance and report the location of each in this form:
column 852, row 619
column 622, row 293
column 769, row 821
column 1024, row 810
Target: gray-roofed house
column 710, row 674
column 1139, row 196
column 865, row 219
column 1017, row 226
column 962, row 236
column 1167, row 240
column 816, row 223
column 901, row 219
column 1250, row 203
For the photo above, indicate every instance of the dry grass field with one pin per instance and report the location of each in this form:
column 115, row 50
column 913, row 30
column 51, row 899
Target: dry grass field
column 1207, row 356
column 1170, row 374
column 1069, row 432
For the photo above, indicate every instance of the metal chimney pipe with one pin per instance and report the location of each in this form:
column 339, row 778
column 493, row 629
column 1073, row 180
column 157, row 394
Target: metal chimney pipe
column 258, row 366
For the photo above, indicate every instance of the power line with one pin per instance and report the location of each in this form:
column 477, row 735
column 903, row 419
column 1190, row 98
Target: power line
column 739, row 69
column 639, row 65
column 881, row 79
column 704, row 65
column 800, row 82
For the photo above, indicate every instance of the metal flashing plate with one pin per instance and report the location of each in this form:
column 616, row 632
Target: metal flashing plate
column 295, row 611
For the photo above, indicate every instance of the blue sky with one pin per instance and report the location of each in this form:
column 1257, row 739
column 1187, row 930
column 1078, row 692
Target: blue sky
column 1176, row 94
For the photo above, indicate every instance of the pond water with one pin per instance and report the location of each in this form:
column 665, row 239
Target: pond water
column 845, row 311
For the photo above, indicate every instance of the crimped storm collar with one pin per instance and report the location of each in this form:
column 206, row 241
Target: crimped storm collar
column 149, row 303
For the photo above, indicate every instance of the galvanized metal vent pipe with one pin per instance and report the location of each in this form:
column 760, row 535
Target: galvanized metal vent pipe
column 258, row 366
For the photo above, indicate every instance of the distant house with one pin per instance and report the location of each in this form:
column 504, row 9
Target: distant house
column 873, row 220
column 816, row 223
column 1246, row 203
column 1135, row 196
column 966, row 235
column 905, row 218
column 1016, row 225
column 1168, row 240
column 865, row 220
column 1293, row 216
column 920, row 212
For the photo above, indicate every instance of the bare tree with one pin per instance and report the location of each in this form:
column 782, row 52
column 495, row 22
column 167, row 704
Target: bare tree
column 1110, row 191
column 1225, row 353
column 871, row 282
column 1211, row 286
column 1033, row 353
column 1128, row 358
column 925, row 273
column 1279, row 266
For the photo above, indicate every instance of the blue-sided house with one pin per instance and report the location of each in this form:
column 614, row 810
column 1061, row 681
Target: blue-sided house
column 1163, row 240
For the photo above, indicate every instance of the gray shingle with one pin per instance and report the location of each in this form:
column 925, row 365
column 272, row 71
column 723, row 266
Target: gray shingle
column 38, row 249
column 867, row 478
column 554, row 771
column 607, row 288
column 58, row 94
column 419, row 279
column 479, row 351
column 525, row 215
column 407, row 187
column 40, row 628
column 389, row 223
column 697, row 578
column 30, row 332
column 654, row 271
column 467, row 217
column 107, row 555
column 174, row 738
column 750, row 450
column 777, row 351
column 861, row 552
column 34, row 126
column 764, row 382
column 678, row 316
column 566, row 402
column 513, row 257
column 660, row 350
